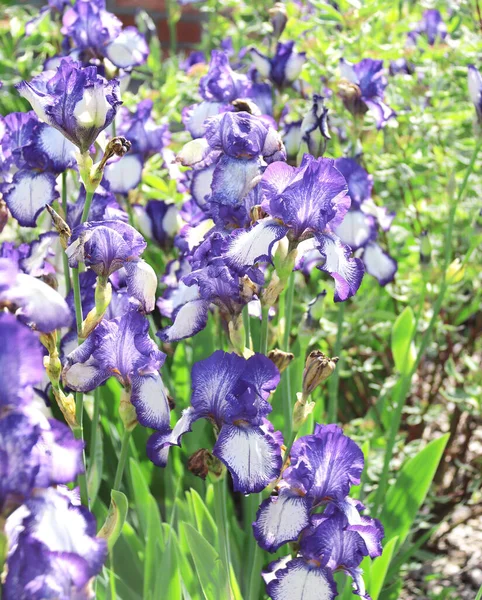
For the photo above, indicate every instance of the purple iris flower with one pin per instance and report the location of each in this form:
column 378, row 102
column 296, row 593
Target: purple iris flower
column 33, row 301
column 159, row 221
column 283, row 68
column 53, row 549
column 105, row 246
column 46, row 453
column 475, row 90
column 75, row 100
column 359, row 228
column 221, row 83
column 33, row 154
column 90, row 26
column 364, row 89
column 104, row 207
column 122, row 348
column 401, row 66
column 232, row 393
column 129, row 49
column 431, row 26
column 146, row 137
column 22, row 356
column 195, row 58
column 123, row 175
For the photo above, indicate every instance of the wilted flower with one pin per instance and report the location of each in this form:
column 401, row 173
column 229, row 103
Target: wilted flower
column 75, row 100
column 318, row 368
column 232, row 393
column 280, row 358
column 283, row 68
column 363, row 88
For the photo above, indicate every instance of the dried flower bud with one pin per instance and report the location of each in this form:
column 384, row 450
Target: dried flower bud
column 318, row 368
column 280, row 358
column 61, row 227
column 245, row 105
column 350, row 93
column 425, row 249
column 279, row 18
column 257, row 213
column 198, row 463
column 118, row 146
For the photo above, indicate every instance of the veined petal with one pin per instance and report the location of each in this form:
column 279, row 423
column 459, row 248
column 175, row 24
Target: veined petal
column 84, row 377
column 142, row 283
column 281, row 519
column 356, row 229
column 249, row 247
column 125, row 174
column 188, row 320
column 149, row 399
column 346, row 271
column 201, row 185
column 381, row 111
column 379, row 264
column 252, row 458
column 129, row 49
column 233, row 178
column 28, row 195
column 300, row 581
column 159, row 443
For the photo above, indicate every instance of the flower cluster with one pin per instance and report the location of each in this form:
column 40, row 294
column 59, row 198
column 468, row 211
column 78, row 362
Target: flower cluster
column 311, row 507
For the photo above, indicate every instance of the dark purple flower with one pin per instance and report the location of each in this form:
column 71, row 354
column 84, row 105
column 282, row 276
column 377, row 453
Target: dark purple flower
column 232, row 392
column 105, row 246
column 122, row 348
column 35, row 453
column 314, row 127
column 284, row 67
column 431, row 26
column 104, row 207
column 360, row 183
column 146, row 137
column 195, row 58
column 401, row 66
column 90, row 26
column 23, row 356
column 53, row 549
column 159, row 221
column 221, row 83
column 75, row 100
column 33, row 301
column 363, row 89
column 323, row 467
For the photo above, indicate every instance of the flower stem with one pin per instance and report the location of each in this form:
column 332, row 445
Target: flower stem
column 95, row 425
column 247, row 327
column 223, row 535
column 404, row 384
column 88, row 202
column 335, row 378
column 257, row 565
column 263, row 339
column 65, row 260
column 122, row 459
column 286, row 379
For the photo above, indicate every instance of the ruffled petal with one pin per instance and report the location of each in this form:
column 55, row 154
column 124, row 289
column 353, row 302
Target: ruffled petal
column 188, row 320
column 254, row 245
column 125, row 174
column 379, row 264
column 281, row 519
column 252, row 458
column 356, row 229
column 28, row 194
column 345, row 270
column 129, row 49
column 150, row 401
column 142, row 283
column 233, row 179
column 159, row 443
column 300, row 581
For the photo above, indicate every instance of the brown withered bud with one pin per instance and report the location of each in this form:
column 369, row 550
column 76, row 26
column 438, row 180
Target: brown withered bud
column 280, row 358
column 318, row 368
column 171, row 402
column 245, row 105
column 279, row 18
column 60, row 226
column 118, row 146
column 257, row 213
column 247, row 289
column 198, row 463
column 50, row 280
column 350, row 93
column 3, row 214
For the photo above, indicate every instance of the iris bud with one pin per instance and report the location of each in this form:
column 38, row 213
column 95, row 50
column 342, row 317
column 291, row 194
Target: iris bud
column 279, row 18
column 280, row 358
column 318, row 368
column 61, row 227
column 127, row 411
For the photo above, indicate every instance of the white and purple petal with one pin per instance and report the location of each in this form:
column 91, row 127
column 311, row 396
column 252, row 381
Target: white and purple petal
column 128, row 49
column 159, row 443
column 379, row 264
column 189, row 319
column 125, row 174
column 356, row 229
column 28, row 194
column 298, row 580
column 150, row 401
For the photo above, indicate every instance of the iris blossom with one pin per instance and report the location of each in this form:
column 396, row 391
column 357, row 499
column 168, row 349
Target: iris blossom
column 232, row 393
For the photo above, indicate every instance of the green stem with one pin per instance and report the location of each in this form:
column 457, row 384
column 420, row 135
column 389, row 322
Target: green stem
column 247, row 327
column 122, row 459
column 65, row 260
column 221, row 522
column 335, row 378
column 404, row 384
column 79, row 319
column 79, row 435
column 257, row 565
column 88, row 202
column 95, row 426
column 263, row 339
column 286, row 379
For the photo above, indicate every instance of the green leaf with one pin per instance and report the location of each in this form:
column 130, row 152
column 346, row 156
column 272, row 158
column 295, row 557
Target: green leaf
column 152, row 556
column 141, row 494
column 96, row 468
column 116, row 518
column 379, row 569
column 403, row 349
column 407, row 494
column 204, row 520
column 211, row 575
column 168, row 580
